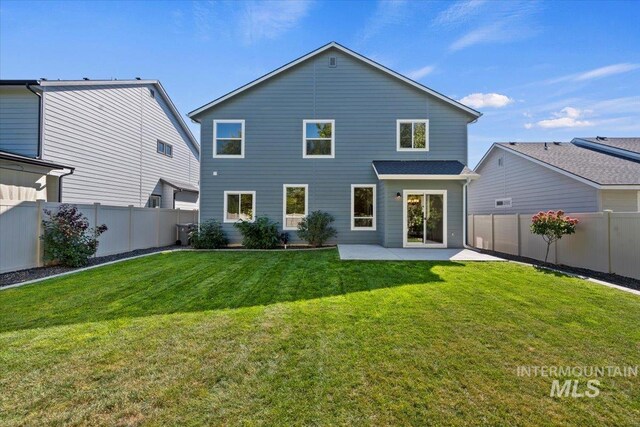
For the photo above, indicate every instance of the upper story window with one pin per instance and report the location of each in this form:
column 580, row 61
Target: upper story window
column 413, row 135
column 318, row 140
column 228, row 138
column 294, row 205
column 164, row 148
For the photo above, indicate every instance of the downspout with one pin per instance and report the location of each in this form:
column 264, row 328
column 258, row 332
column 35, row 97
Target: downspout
column 39, row 154
column 60, row 184
column 464, row 214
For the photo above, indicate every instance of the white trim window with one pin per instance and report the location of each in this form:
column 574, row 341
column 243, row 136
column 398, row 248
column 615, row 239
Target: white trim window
column 412, row 135
column 228, row 139
column 318, row 139
column 363, row 207
column 503, row 203
column 239, row 205
column 295, row 205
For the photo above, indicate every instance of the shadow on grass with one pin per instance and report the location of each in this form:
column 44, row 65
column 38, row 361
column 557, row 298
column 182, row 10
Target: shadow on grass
column 198, row 281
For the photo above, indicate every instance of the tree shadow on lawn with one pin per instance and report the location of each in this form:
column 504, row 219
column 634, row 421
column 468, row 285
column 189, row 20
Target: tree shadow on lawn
column 199, row 281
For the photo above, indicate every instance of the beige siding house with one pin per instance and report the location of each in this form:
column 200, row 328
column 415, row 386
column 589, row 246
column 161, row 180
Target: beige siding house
column 573, row 176
column 124, row 142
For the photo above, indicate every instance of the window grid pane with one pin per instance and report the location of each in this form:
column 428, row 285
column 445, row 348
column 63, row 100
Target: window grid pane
column 233, row 206
column 246, row 207
column 229, row 146
column 363, row 207
column 295, row 206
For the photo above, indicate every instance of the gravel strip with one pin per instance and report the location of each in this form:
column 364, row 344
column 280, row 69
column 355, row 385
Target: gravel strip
column 13, row 277
column 626, row 282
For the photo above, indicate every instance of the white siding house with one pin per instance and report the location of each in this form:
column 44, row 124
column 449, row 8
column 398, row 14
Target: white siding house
column 125, row 140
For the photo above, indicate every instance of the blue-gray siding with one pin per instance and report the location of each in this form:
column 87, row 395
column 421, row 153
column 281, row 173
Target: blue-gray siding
column 532, row 187
column 19, row 118
column 365, row 104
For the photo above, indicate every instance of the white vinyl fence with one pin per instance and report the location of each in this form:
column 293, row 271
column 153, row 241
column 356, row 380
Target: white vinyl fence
column 604, row 241
column 129, row 228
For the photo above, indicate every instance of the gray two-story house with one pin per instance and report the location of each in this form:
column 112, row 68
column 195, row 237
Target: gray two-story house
column 337, row 132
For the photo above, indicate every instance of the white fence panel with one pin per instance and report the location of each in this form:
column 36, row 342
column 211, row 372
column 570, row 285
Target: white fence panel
column 625, row 244
column 589, row 246
column 19, row 243
column 145, row 228
column 167, row 229
column 505, row 233
column 482, row 228
column 129, row 228
column 604, row 241
column 116, row 239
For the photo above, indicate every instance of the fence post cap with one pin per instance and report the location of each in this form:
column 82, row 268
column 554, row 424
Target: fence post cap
column 607, row 210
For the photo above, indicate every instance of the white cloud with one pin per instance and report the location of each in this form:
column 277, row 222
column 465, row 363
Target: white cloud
column 387, row 12
column 504, row 22
column 249, row 21
column 458, row 12
column 481, row 100
column 421, row 72
column 267, row 20
column 597, row 73
column 568, row 117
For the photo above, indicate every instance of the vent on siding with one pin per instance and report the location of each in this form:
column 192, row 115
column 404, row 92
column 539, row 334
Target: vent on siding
column 152, row 93
column 503, row 203
column 500, row 161
column 333, row 62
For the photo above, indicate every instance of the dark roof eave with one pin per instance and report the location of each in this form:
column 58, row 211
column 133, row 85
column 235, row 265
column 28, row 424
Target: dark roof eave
column 28, row 160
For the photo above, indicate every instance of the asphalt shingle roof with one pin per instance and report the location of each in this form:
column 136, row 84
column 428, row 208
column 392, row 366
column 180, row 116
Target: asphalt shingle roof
column 595, row 166
column 628, row 144
column 421, row 167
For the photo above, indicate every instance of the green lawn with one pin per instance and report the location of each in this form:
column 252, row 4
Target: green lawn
column 299, row 338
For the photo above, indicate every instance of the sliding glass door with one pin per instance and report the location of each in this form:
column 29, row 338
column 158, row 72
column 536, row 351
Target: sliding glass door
column 425, row 218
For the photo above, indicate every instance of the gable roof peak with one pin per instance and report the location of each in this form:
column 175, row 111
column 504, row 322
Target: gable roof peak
column 333, row 44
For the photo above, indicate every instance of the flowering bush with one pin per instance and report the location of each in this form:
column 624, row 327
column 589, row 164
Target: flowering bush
column 67, row 237
column 552, row 226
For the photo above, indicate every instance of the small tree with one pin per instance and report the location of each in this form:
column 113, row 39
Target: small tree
column 67, row 237
column 552, row 226
column 208, row 235
column 316, row 228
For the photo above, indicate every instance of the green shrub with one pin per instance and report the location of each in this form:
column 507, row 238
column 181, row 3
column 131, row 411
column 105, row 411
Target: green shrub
column 316, row 228
column 261, row 234
column 67, row 238
column 208, row 235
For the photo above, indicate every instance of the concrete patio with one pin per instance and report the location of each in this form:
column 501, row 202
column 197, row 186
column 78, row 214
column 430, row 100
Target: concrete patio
column 379, row 253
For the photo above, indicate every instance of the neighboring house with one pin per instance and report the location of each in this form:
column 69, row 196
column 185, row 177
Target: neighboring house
column 116, row 142
column 337, row 132
column 584, row 175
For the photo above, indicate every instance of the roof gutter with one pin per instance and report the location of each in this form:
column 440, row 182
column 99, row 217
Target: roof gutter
column 39, row 95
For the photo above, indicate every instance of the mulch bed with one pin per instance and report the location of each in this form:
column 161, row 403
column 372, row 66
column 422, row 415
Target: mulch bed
column 39, row 272
column 627, row 282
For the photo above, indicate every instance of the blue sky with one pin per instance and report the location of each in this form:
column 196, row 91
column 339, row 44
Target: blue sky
column 539, row 71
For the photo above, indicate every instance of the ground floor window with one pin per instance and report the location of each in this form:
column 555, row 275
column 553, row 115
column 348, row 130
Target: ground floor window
column 239, row 205
column 155, row 201
column 363, row 207
column 295, row 205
